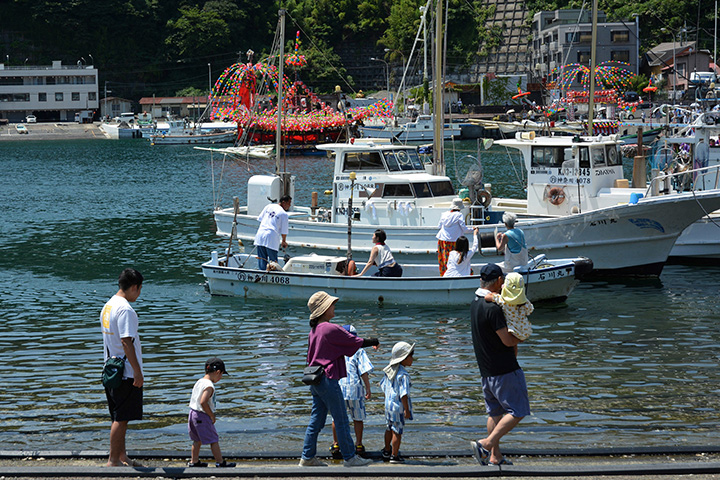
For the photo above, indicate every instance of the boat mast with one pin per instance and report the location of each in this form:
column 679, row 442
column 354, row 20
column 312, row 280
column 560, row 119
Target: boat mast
column 281, row 61
column 438, row 117
column 593, row 64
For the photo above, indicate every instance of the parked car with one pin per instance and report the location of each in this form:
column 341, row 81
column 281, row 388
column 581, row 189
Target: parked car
column 21, row 129
column 31, row 119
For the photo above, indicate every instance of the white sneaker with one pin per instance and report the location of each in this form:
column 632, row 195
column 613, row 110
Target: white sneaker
column 313, row 462
column 357, row 461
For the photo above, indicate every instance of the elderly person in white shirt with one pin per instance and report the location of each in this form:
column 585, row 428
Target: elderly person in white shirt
column 452, row 226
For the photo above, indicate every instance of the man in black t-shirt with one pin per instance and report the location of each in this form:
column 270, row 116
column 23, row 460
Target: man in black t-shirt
column 503, row 381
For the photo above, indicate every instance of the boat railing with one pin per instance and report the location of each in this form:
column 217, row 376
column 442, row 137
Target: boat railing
column 704, row 178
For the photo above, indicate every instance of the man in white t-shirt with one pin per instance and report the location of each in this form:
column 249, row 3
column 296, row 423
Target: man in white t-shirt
column 119, row 325
column 273, row 230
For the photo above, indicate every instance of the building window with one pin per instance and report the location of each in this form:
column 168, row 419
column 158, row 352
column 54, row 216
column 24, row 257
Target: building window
column 50, row 81
column 75, row 96
column 585, row 37
column 92, row 96
column 58, row 96
column 42, row 97
column 622, row 36
column 583, row 57
column 620, row 56
column 572, row 37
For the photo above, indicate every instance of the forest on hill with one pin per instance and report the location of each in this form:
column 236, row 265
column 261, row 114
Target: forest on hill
column 145, row 47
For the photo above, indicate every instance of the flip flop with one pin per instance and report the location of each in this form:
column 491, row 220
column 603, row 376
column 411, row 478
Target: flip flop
column 481, row 453
column 504, row 461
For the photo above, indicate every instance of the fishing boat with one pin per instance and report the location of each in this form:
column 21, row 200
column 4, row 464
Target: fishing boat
column 574, row 205
column 179, row 133
column 420, row 130
column 301, row 276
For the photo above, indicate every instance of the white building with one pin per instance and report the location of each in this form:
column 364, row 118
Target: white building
column 564, row 37
column 51, row 93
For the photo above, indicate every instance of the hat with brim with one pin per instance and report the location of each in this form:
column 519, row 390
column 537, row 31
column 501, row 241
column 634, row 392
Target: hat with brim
column 513, row 290
column 457, row 204
column 319, row 303
column 215, row 365
column 400, row 352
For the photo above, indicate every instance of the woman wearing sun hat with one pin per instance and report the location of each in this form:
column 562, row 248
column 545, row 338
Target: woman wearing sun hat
column 328, row 344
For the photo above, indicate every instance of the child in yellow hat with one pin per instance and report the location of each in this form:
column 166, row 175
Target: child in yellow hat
column 515, row 305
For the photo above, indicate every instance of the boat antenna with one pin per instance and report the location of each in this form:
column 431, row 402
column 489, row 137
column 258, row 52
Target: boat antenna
column 281, row 63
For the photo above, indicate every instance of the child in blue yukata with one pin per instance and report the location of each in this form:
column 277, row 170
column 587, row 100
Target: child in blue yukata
column 398, row 407
column 356, row 389
column 201, row 420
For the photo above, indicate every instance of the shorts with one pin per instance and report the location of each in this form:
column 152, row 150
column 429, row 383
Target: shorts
column 396, row 426
column 506, row 394
column 125, row 402
column 201, row 428
column 356, row 409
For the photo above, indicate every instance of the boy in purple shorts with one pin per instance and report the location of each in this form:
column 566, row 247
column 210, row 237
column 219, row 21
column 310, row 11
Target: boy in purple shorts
column 201, row 420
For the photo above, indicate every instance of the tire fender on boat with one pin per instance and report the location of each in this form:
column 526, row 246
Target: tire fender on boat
column 554, row 195
column 485, row 198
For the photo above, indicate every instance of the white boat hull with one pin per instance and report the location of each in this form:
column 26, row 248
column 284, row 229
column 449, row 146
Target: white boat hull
column 621, row 240
column 554, row 280
column 199, row 139
column 700, row 242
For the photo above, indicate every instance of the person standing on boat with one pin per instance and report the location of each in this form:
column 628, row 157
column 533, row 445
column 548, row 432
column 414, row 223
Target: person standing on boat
column 458, row 264
column 512, row 242
column 452, row 226
column 119, row 326
column 381, row 255
column 503, row 381
column 328, row 344
column 273, row 231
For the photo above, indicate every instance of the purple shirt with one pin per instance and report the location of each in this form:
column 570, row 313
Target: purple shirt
column 327, row 346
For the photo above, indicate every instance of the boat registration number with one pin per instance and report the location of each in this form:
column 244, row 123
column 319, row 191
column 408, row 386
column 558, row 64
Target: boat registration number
column 263, row 278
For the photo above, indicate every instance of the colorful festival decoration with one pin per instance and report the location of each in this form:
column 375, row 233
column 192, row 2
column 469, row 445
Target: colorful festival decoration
column 601, row 96
column 296, row 60
column 235, row 97
column 607, row 76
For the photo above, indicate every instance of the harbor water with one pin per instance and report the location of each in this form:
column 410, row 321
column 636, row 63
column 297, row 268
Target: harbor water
column 620, row 363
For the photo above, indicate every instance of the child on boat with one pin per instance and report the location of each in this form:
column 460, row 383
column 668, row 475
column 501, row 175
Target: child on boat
column 380, row 254
column 515, row 305
column 458, row 264
column 356, row 389
column 398, row 407
column 201, row 420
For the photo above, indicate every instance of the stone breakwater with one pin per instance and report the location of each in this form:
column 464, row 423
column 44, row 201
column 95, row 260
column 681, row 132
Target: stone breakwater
column 53, row 131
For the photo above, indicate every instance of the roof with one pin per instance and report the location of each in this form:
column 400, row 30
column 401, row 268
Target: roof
column 662, row 53
column 173, row 100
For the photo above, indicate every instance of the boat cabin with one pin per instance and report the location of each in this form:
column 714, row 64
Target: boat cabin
column 569, row 174
column 393, row 186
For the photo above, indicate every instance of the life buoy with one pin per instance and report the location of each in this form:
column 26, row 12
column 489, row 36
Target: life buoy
column 555, row 195
column 485, row 198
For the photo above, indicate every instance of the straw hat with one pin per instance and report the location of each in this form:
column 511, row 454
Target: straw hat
column 513, row 290
column 457, row 204
column 319, row 303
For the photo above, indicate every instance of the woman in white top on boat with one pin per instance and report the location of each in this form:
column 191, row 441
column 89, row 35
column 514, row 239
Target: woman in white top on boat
column 458, row 264
column 381, row 255
column 512, row 242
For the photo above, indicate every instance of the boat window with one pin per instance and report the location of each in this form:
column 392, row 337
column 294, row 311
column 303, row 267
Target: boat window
column 422, row 190
column 399, row 160
column 584, row 157
column 397, row 190
column 549, row 157
column 613, row 158
column 441, row 189
column 363, row 161
column 598, row 157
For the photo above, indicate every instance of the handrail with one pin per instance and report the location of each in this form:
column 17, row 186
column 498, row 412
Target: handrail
column 699, row 174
